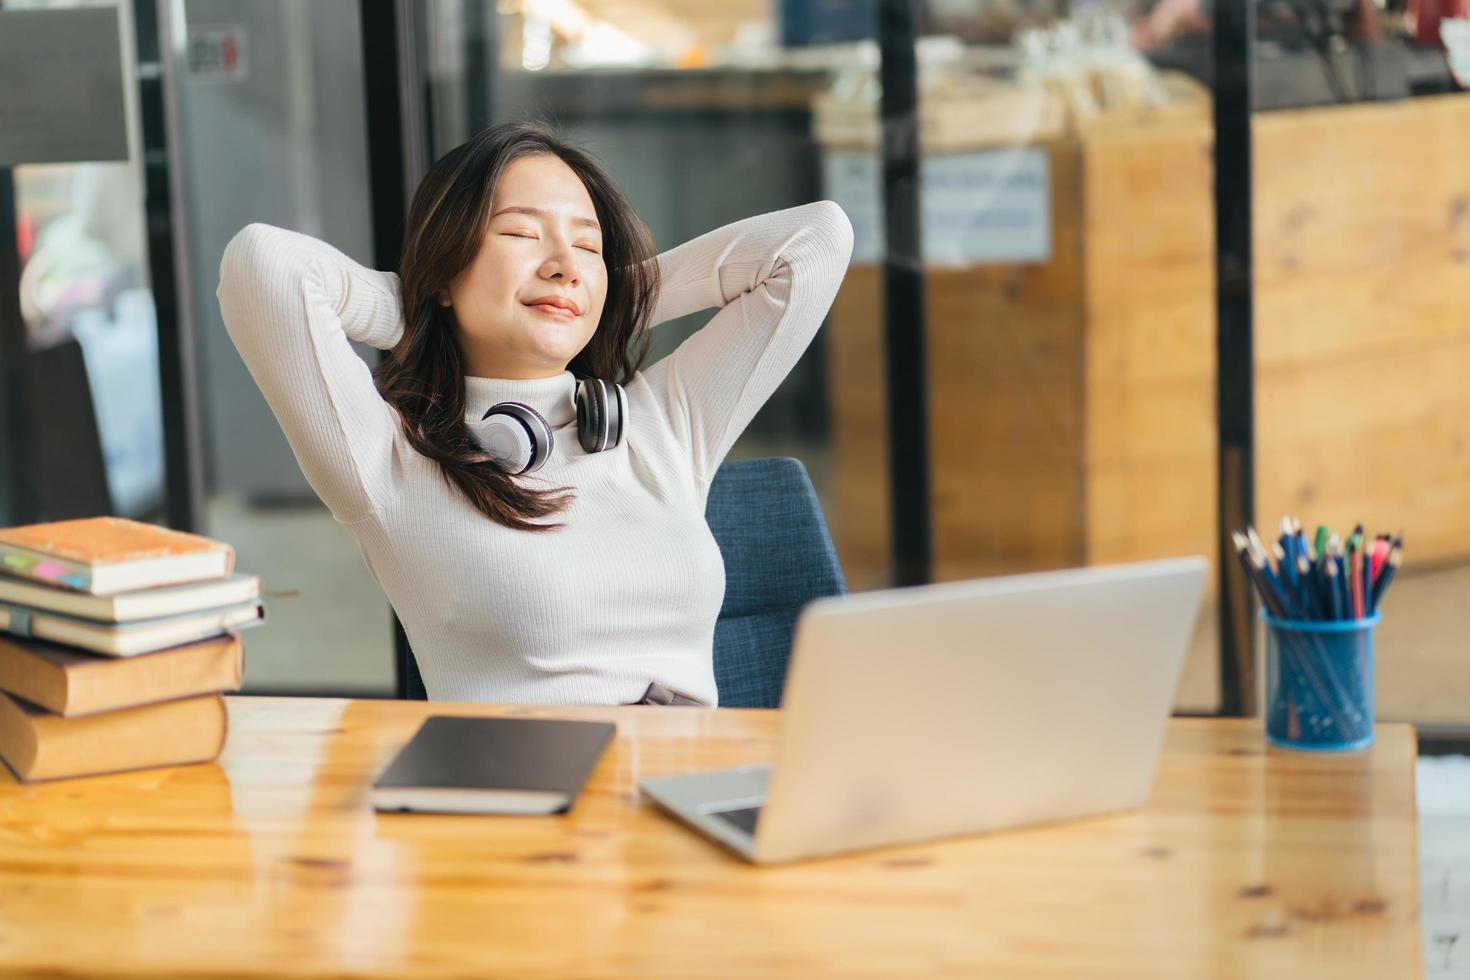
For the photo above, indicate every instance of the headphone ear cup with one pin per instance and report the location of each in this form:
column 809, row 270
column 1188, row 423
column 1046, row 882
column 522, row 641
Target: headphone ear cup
column 516, row 435
column 592, row 415
column 620, row 408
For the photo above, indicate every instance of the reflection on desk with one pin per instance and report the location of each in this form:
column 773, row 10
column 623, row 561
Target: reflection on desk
column 1246, row 862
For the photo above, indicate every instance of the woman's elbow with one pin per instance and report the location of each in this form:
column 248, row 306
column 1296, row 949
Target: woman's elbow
column 245, row 253
column 239, row 255
column 250, row 274
column 835, row 228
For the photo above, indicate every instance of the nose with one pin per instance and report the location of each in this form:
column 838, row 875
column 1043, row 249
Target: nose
column 560, row 264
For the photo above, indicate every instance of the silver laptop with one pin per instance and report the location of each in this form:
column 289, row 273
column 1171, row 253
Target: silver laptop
column 919, row 713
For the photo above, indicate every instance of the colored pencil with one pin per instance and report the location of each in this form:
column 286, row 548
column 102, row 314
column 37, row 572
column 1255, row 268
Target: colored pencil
column 1333, row 592
column 1390, row 568
column 1321, row 578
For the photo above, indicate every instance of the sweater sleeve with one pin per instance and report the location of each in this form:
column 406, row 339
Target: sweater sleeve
column 291, row 304
column 774, row 277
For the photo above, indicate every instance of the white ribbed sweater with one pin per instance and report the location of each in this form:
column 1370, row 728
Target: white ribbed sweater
column 628, row 591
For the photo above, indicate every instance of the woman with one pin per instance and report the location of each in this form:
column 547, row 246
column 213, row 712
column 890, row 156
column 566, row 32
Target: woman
column 588, row 576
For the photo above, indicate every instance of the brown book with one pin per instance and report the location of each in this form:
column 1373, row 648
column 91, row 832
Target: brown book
column 71, row 683
column 103, row 555
column 38, row 745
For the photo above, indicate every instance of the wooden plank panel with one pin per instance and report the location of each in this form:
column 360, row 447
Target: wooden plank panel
column 1005, row 352
column 1149, row 250
column 1004, row 378
column 1072, row 414
column 1363, row 318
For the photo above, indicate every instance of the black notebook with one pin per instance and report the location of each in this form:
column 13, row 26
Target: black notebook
column 492, row 765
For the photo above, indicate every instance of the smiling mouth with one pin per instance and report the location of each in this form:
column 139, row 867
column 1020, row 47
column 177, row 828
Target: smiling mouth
column 547, row 309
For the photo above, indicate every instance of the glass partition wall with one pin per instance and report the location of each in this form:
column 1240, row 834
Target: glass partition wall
column 88, row 327
column 1066, row 256
column 1036, row 132
column 1065, row 267
column 1066, row 206
column 704, row 114
column 1361, row 205
column 272, row 128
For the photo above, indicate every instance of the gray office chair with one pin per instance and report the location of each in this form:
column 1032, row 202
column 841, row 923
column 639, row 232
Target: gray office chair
column 778, row 555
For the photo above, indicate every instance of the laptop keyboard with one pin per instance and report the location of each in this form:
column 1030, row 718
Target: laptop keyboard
column 743, row 819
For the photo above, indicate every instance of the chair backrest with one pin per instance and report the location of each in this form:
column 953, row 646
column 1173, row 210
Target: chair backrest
column 409, row 681
column 765, row 516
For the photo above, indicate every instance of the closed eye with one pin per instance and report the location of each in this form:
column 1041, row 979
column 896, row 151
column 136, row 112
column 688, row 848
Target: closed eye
column 588, row 248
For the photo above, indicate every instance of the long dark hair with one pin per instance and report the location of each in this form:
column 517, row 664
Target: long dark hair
column 423, row 376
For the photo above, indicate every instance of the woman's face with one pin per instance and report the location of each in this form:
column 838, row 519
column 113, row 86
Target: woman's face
column 532, row 297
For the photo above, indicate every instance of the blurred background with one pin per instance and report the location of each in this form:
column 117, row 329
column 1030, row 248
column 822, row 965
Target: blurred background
column 1036, row 219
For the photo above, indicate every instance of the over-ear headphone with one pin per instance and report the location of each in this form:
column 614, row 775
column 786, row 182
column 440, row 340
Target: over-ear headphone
column 521, row 440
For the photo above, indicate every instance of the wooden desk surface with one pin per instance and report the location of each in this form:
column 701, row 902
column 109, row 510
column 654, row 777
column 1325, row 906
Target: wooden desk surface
column 1245, row 863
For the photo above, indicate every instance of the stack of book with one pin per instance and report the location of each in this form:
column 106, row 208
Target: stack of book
column 116, row 639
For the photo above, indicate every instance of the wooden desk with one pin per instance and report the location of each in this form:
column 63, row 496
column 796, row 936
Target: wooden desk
column 1246, row 863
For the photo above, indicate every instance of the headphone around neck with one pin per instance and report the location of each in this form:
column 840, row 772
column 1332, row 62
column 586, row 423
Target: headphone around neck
column 521, row 440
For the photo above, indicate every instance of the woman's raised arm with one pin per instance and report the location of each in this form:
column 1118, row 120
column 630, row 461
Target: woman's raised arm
column 290, row 304
column 774, row 276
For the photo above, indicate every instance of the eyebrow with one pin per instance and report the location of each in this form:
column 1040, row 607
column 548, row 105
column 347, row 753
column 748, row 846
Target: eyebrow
column 540, row 213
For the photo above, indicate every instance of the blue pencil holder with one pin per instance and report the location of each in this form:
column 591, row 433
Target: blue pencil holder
column 1319, row 683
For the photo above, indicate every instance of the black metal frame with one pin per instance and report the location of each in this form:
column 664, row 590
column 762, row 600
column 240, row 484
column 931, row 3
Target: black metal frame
column 903, row 295
column 178, row 377
column 1444, row 739
column 397, row 117
column 386, row 163
column 16, row 504
column 479, row 62
column 1233, row 40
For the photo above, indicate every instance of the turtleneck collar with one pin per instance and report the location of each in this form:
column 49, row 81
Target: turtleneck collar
column 554, row 397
